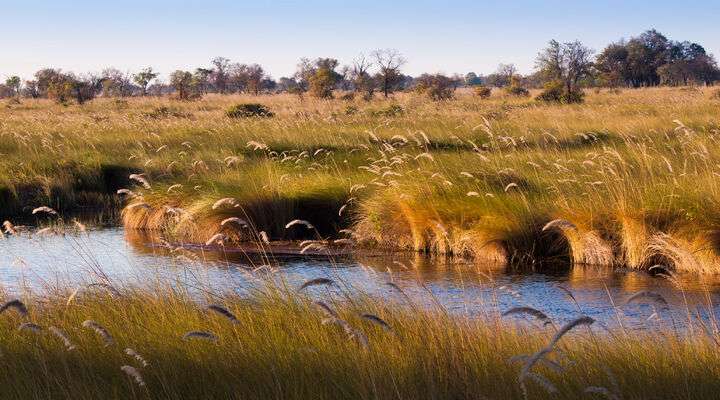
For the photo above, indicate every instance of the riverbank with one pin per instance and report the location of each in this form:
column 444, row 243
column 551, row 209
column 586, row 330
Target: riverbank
column 627, row 179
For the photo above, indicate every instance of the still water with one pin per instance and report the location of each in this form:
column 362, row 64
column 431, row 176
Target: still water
column 36, row 263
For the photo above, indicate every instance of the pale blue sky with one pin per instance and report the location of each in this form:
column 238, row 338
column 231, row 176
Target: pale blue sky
column 435, row 36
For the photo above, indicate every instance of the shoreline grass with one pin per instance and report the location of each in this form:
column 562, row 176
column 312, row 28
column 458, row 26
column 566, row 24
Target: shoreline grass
column 633, row 173
column 282, row 342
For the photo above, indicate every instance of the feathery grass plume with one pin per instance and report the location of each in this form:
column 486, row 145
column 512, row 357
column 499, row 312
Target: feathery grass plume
column 216, row 238
column 264, row 237
column 233, row 220
column 127, row 192
column 313, row 246
column 340, row 211
column 299, row 222
column 523, row 358
column 100, row 330
column 584, row 320
column 377, row 320
column 79, row 225
column 17, row 305
column 529, row 311
column 559, row 224
column 134, row 354
column 44, row 209
column 140, row 178
column 9, row 228
column 510, row 186
column 72, row 296
column 224, row 202
column 45, row 231
column 542, row 381
column 346, row 242
column 326, row 309
column 648, row 295
column 200, row 335
column 602, row 391
column 173, row 187
column 62, row 336
column 224, row 312
column 107, row 287
column 133, row 373
column 30, row 327
column 315, row 282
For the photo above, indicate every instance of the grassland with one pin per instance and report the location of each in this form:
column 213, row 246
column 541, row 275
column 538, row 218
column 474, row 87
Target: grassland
column 627, row 179
column 286, row 343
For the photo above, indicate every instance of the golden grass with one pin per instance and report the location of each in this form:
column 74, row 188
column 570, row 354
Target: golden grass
column 280, row 342
column 634, row 172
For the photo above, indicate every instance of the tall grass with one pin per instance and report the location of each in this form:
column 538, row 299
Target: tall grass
column 634, row 173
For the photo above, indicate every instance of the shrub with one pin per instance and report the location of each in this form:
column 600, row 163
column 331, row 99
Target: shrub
column 437, row 87
column 555, row 91
column 351, row 110
column 247, row 110
column 392, row 110
column 482, row 91
column 517, row 91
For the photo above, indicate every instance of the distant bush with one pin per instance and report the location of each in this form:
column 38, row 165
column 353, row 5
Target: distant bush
column 348, row 96
column 437, row 86
column 247, row 110
column 555, row 91
column 351, row 110
column 482, row 91
column 517, row 91
column 166, row 112
column 392, row 110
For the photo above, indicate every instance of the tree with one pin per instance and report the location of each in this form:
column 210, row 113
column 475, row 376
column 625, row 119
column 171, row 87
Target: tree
column 255, row 76
column 322, row 77
column 201, row 79
column 436, row 86
column 182, row 81
column 144, row 77
column 116, row 83
column 30, row 89
column 359, row 75
column 14, row 83
column 567, row 63
column 219, row 76
column 389, row 62
column 471, row 79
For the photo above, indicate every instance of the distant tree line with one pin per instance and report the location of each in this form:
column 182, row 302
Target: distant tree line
column 562, row 69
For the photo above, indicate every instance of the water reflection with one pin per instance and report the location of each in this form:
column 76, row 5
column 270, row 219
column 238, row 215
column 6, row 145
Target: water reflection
column 474, row 289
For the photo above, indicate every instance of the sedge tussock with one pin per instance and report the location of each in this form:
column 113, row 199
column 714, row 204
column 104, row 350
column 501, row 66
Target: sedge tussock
column 133, row 373
column 16, row 305
column 134, row 354
column 100, row 330
column 224, row 312
column 63, row 337
column 316, row 282
column 203, row 335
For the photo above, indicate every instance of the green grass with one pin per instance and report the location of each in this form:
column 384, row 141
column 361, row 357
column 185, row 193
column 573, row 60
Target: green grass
column 634, row 172
column 280, row 348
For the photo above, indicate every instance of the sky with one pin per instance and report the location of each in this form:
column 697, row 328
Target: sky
column 434, row 36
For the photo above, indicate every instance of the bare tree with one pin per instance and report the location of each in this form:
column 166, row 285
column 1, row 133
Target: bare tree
column 219, row 76
column 360, row 77
column 506, row 72
column 565, row 62
column 389, row 62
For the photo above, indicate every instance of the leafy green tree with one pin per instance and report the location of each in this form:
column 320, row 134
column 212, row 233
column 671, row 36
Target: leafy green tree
column 182, row 81
column 144, row 77
column 14, row 83
column 568, row 64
